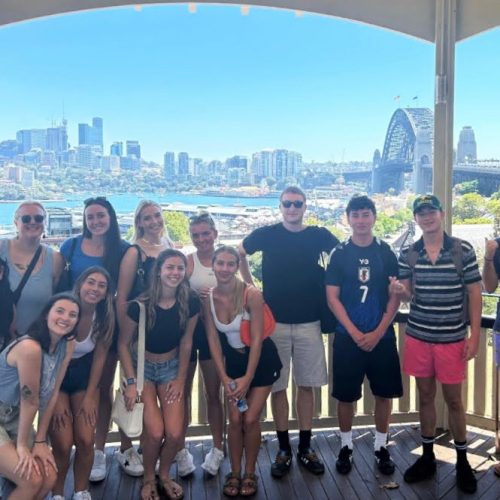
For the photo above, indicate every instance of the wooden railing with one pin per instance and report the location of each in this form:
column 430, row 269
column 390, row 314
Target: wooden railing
column 479, row 393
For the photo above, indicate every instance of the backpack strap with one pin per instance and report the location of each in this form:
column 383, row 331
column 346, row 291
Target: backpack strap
column 458, row 256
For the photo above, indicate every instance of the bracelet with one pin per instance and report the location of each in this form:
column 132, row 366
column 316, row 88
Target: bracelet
column 40, row 442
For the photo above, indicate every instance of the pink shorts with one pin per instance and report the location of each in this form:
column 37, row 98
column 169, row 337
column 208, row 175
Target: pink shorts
column 445, row 362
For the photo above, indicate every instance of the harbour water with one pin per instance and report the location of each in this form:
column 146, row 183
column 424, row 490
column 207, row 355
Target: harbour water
column 126, row 202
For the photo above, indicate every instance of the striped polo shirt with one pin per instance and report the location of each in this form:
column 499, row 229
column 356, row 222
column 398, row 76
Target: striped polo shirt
column 436, row 309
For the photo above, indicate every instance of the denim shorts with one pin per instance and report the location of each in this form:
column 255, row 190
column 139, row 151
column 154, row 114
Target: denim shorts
column 159, row 372
column 9, row 423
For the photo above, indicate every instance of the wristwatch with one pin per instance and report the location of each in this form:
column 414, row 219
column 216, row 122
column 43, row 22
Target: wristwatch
column 131, row 381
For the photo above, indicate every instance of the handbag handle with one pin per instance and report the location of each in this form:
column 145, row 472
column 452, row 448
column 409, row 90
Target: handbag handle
column 140, row 349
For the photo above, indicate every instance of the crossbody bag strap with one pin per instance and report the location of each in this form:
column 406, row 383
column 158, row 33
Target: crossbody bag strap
column 140, row 348
column 67, row 265
column 27, row 274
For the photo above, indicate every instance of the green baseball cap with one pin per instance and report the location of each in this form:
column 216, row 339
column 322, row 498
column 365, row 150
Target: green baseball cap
column 426, row 201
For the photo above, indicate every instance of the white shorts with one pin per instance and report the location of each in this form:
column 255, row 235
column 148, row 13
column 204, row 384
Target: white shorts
column 302, row 344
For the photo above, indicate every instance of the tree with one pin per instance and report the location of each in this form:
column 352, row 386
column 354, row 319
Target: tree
column 467, row 187
column 469, row 206
column 178, row 226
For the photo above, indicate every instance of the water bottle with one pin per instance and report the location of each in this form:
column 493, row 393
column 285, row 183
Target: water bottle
column 241, row 404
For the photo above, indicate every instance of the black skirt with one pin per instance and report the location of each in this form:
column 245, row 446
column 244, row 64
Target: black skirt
column 268, row 367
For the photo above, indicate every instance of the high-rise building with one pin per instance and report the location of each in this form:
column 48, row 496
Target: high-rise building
column 183, row 159
column 261, row 164
column 116, row 149
column 30, row 139
column 237, row 162
column 169, row 165
column 9, row 149
column 467, row 147
column 91, row 134
column 133, row 149
column 57, row 138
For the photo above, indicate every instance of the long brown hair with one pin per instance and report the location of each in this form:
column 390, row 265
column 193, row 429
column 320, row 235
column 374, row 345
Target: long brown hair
column 103, row 324
column 237, row 302
column 153, row 295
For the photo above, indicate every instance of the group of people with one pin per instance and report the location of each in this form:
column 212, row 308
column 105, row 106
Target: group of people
column 59, row 352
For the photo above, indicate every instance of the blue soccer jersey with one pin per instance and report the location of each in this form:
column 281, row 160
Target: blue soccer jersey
column 362, row 274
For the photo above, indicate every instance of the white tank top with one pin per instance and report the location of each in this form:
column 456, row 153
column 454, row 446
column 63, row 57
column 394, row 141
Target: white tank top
column 231, row 330
column 202, row 276
column 84, row 347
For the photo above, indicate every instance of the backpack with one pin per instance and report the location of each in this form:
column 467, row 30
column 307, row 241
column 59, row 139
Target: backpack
column 457, row 256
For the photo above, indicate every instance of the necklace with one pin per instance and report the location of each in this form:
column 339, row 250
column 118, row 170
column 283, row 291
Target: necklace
column 151, row 243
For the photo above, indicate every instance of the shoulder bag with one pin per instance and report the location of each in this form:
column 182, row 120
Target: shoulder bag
column 130, row 422
column 269, row 322
column 16, row 294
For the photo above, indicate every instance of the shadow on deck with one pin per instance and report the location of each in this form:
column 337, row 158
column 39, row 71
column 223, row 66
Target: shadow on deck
column 363, row 482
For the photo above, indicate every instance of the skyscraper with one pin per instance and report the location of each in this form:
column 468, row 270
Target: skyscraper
column 133, row 149
column 183, row 164
column 169, row 165
column 91, row 134
column 30, row 139
column 57, row 138
column 116, row 149
column 466, row 148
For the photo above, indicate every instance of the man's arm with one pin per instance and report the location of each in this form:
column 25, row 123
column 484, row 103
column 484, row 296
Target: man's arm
column 244, row 266
column 475, row 313
column 332, row 295
column 490, row 278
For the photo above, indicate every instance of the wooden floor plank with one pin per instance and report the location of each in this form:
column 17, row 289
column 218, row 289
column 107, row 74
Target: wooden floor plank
column 362, row 483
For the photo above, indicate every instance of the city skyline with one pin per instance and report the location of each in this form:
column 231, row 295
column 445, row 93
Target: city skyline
column 218, row 83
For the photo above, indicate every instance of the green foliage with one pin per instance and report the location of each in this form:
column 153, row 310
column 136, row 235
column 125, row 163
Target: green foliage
column 255, row 262
column 467, row 187
column 178, row 226
column 469, row 206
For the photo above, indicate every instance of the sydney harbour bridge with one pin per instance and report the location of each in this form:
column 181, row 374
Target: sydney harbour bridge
column 406, row 160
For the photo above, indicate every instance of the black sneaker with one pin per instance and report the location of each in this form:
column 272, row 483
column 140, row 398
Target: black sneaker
column 422, row 469
column 344, row 460
column 310, row 461
column 466, row 480
column 384, row 462
column 281, row 464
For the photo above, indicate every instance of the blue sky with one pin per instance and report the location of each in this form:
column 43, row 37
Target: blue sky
column 218, row 83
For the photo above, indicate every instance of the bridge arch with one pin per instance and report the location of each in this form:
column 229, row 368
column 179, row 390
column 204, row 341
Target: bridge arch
column 400, row 154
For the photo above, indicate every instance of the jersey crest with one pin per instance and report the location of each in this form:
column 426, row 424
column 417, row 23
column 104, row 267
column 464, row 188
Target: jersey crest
column 364, row 274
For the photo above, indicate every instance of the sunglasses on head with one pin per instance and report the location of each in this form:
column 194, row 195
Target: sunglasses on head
column 296, row 203
column 26, row 219
column 90, row 201
column 204, row 216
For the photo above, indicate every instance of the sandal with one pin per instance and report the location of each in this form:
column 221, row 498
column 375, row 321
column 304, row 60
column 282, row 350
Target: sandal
column 249, row 485
column 149, row 491
column 232, row 485
column 171, row 489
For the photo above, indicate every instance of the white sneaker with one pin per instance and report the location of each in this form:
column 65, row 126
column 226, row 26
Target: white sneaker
column 81, row 495
column 131, row 462
column 98, row 472
column 212, row 461
column 57, row 497
column 185, row 464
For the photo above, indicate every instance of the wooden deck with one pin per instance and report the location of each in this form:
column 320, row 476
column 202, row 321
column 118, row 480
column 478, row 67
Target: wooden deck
column 364, row 481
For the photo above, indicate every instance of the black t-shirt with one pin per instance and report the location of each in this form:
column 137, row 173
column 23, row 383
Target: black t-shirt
column 166, row 333
column 291, row 269
column 496, row 262
column 362, row 274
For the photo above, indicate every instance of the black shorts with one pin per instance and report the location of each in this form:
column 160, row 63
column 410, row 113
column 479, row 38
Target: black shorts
column 268, row 367
column 78, row 374
column 200, row 349
column 351, row 364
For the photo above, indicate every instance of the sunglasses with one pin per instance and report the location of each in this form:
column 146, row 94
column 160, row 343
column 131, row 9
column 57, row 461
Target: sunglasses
column 288, row 203
column 90, row 201
column 26, row 219
column 204, row 216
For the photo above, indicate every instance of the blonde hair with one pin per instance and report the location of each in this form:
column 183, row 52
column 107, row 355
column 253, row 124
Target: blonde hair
column 139, row 231
column 237, row 302
column 29, row 204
